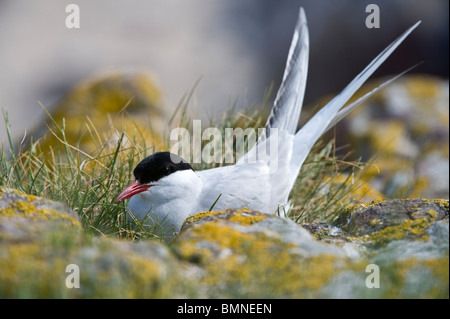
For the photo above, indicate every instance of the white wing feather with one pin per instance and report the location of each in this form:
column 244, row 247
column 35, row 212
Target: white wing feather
column 289, row 100
column 314, row 128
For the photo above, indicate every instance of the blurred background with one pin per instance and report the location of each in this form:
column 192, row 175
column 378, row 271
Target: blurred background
column 237, row 48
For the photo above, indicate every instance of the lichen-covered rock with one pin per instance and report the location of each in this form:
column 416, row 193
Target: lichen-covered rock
column 25, row 217
column 388, row 220
column 225, row 231
column 406, row 239
column 331, row 234
column 378, row 224
column 229, row 254
column 39, row 239
column 404, row 128
column 94, row 113
column 243, row 253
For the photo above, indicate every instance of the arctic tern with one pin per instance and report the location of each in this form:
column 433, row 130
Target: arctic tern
column 167, row 190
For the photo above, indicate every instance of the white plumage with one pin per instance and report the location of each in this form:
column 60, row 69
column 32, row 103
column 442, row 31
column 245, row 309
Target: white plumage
column 256, row 181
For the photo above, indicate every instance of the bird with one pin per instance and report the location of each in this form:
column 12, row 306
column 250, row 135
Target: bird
column 167, row 190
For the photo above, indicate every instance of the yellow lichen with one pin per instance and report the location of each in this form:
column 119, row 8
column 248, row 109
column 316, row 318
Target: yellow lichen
column 201, row 215
column 396, row 275
column 441, row 202
column 239, row 216
column 254, row 262
column 387, row 136
column 26, row 209
column 375, row 222
column 143, row 278
column 26, row 271
column 400, row 144
column 420, row 87
column 242, row 218
column 432, row 213
column 352, row 210
column 440, row 269
column 416, row 227
column 96, row 112
column 224, row 236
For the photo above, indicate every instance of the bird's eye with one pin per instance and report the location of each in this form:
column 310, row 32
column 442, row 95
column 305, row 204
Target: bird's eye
column 167, row 169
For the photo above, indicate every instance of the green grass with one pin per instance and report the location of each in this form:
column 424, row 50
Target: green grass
column 90, row 183
column 87, row 183
column 319, row 193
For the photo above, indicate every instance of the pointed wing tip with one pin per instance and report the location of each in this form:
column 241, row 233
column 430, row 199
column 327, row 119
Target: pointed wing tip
column 302, row 16
column 407, row 32
column 302, row 26
column 301, row 11
column 415, row 25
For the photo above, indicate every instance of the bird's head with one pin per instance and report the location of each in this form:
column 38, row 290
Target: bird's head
column 160, row 168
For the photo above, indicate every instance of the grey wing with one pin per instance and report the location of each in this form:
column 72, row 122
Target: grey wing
column 288, row 103
column 289, row 100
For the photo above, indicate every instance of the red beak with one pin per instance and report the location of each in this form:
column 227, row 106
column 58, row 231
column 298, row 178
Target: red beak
column 132, row 189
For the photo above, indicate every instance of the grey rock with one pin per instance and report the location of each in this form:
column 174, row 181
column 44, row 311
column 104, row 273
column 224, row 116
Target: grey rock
column 228, row 254
column 366, row 219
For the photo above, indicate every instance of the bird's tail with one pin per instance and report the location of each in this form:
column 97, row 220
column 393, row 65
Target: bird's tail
column 329, row 115
column 287, row 107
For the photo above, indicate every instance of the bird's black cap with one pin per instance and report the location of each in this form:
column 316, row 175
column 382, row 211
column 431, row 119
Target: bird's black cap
column 158, row 165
